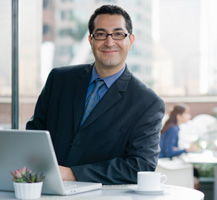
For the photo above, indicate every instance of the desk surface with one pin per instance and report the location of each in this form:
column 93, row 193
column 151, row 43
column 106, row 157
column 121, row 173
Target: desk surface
column 174, row 192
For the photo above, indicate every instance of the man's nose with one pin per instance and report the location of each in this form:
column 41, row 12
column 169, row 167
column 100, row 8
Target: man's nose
column 109, row 41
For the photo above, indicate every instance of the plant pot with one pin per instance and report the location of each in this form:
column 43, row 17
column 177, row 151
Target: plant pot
column 28, row 190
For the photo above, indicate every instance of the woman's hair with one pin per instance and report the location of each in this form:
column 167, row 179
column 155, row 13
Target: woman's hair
column 177, row 110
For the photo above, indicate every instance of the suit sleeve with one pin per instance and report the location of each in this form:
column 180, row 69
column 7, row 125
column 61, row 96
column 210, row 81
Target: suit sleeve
column 141, row 153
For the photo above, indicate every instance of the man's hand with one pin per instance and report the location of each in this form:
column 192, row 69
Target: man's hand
column 67, row 174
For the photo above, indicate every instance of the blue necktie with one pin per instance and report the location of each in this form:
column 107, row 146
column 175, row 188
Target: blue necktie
column 93, row 99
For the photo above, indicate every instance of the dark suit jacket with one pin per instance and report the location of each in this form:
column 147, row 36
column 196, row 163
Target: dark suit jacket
column 120, row 136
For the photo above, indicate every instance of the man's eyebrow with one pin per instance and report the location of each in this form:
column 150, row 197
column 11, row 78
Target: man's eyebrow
column 118, row 29
column 102, row 29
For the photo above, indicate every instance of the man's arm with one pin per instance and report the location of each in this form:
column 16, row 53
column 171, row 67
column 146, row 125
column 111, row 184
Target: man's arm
column 141, row 153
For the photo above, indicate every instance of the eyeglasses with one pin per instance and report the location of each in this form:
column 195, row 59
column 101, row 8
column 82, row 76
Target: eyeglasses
column 115, row 36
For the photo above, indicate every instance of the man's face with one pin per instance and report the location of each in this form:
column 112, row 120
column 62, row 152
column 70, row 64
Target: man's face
column 109, row 53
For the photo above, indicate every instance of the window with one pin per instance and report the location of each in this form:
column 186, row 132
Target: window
column 174, row 51
column 47, row 4
column 5, row 64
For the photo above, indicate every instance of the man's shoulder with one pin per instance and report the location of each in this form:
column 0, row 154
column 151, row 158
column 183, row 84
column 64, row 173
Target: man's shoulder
column 142, row 88
column 71, row 68
column 69, row 74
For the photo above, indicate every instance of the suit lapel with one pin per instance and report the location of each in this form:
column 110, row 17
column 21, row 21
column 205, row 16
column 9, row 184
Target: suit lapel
column 80, row 96
column 111, row 97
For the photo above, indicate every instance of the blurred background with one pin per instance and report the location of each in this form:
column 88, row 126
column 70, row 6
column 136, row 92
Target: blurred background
column 174, row 51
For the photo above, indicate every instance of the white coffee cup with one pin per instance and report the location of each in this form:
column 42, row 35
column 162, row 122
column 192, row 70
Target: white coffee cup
column 150, row 181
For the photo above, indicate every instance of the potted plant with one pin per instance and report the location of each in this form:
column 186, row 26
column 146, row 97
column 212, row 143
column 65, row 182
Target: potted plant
column 27, row 184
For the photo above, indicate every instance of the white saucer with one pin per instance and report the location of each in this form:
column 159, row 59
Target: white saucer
column 160, row 191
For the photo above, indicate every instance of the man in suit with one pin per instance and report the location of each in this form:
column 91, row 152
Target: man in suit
column 120, row 136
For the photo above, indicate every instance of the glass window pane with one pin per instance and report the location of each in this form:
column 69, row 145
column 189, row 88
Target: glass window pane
column 30, row 37
column 174, row 51
column 185, row 46
column 5, row 64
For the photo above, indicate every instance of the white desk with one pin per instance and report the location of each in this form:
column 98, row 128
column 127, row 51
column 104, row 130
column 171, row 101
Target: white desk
column 205, row 157
column 175, row 192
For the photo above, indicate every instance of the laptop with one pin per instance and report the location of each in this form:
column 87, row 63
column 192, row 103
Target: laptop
column 34, row 150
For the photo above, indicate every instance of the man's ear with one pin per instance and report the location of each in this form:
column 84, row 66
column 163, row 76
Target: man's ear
column 132, row 38
column 89, row 39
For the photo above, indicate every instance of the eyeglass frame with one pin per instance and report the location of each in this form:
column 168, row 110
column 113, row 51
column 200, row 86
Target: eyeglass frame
column 110, row 34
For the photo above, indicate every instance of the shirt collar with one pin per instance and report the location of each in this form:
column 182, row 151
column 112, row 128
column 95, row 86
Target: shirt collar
column 108, row 80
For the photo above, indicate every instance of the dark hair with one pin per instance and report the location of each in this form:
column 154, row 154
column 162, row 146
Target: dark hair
column 111, row 10
column 177, row 110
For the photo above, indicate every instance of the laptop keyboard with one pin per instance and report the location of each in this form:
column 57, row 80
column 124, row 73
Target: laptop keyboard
column 117, row 187
column 69, row 184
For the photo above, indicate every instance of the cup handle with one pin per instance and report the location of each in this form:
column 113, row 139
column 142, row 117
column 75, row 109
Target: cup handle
column 163, row 179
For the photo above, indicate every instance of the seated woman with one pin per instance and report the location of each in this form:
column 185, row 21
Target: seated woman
column 170, row 132
column 170, row 135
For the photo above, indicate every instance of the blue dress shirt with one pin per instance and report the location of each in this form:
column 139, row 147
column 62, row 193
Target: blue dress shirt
column 108, row 82
column 168, row 140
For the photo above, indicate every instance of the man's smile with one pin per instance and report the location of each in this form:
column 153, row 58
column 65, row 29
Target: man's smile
column 109, row 51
